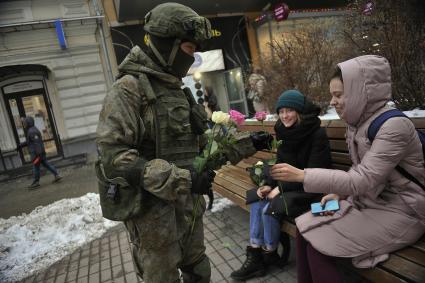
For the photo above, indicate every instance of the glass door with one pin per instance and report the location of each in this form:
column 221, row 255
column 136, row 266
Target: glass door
column 20, row 132
column 33, row 103
column 235, row 90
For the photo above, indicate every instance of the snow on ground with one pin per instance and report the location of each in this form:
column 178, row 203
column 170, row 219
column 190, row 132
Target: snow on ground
column 332, row 115
column 220, row 204
column 416, row 113
column 30, row 243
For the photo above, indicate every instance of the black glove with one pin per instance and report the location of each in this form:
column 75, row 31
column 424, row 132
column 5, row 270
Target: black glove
column 261, row 140
column 201, row 183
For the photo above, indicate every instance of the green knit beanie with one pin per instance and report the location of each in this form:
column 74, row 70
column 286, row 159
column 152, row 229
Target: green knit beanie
column 291, row 99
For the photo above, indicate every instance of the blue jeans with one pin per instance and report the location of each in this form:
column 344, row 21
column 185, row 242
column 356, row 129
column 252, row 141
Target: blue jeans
column 46, row 164
column 264, row 230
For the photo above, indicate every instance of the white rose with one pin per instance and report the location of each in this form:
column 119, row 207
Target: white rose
column 219, row 117
column 259, row 163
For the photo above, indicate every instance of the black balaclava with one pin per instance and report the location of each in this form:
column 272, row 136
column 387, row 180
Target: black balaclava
column 163, row 48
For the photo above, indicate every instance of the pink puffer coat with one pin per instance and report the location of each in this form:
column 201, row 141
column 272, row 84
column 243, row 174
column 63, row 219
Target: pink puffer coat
column 383, row 211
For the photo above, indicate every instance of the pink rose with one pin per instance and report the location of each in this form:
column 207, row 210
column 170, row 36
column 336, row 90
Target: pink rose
column 260, row 116
column 237, row 117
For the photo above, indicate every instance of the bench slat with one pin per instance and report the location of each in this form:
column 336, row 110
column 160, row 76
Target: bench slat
column 289, row 228
column 338, row 145
column 256, row 128
column 240, row 173
column 235, row 189
column 404, row 268
column 340, row 158
column 419, row 123
column 243, row 185
column 414, row 255
column 420, row 246
column 343, row 167
column 244, row 164
column 228, row 194
column 379, row 275
column 336, row 133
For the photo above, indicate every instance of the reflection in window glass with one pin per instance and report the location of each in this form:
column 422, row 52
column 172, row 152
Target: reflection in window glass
column 238, row 106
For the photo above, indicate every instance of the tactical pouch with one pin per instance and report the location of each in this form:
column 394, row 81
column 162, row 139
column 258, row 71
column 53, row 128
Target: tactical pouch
column 178, row 120
column 118, row 199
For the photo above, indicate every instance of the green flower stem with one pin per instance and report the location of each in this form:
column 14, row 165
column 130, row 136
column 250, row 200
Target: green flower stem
column 284, row 203
column 198, row 200
column 194, row 211
column 283, row 198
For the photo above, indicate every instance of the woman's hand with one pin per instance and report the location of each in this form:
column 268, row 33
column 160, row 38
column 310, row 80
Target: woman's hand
column 326, row 198
column 263, row 191
column 286, row 172
column 273, row 193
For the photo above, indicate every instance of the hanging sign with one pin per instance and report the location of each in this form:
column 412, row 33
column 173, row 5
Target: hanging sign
column 368, row 8
column 281, row 12
column 60, row 34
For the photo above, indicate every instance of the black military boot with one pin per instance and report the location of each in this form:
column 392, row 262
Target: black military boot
column 271, row 258
column 252, row 267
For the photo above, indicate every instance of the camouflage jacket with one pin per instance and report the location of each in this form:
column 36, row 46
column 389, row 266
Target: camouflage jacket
column 125, row 120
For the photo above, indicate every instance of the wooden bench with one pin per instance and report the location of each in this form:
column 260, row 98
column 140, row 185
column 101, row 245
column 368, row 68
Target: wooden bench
column 232, row 182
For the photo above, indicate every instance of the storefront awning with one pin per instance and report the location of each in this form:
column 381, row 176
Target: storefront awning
column 128, row 10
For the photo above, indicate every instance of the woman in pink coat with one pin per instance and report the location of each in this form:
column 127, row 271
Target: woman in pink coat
column 380, row 210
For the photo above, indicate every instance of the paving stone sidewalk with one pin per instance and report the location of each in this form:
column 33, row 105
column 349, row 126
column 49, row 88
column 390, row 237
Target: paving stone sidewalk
column 108, row 259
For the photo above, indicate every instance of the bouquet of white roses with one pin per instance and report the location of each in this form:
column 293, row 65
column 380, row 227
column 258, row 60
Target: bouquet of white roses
column 224, row 143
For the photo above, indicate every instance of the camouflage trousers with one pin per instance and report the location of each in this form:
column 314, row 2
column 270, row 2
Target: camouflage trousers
column 162, row 264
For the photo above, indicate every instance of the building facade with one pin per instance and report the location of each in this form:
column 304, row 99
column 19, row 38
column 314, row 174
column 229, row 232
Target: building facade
column 55, row 65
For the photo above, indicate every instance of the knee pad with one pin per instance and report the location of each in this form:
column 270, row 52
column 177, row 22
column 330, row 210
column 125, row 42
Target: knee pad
column 199, row 272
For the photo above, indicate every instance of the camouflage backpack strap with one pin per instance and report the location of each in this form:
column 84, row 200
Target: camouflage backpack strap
column 148, row 92
column 149, row 96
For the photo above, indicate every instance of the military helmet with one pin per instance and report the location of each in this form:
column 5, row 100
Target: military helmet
column 177, row 21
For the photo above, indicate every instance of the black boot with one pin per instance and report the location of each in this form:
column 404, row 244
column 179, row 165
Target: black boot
column 34, row 185
column 271, row 258
column 252, row 267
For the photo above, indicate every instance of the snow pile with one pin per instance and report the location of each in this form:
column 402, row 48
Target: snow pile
column 330, row 114
column 221, row 204
column 29, row 243
column 415, row 113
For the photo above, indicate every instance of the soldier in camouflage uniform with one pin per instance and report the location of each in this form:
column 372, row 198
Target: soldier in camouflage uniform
column 147, row 138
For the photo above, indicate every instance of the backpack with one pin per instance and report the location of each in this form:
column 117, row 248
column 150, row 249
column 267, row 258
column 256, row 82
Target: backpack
column 376, row 125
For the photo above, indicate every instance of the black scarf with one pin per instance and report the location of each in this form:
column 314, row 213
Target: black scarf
column 295, row 136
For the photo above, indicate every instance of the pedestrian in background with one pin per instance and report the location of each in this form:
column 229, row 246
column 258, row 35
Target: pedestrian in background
column 256, row 94
column 34, row 141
